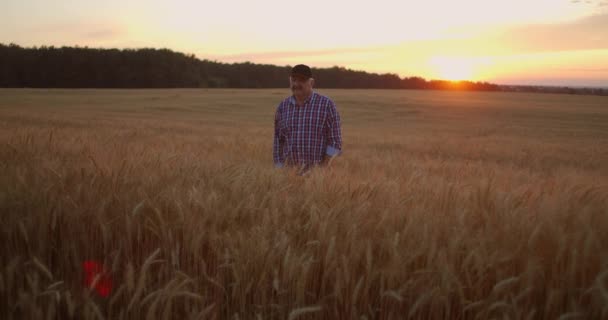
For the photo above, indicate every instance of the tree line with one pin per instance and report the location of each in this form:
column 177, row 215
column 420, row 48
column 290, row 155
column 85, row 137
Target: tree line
column 83, row 67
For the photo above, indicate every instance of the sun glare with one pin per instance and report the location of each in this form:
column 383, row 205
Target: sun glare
column 453, row 68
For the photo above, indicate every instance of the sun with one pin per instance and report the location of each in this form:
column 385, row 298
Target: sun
column 456, row 73
column 453, row 68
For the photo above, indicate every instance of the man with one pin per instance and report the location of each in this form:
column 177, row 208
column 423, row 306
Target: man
column 306, row 125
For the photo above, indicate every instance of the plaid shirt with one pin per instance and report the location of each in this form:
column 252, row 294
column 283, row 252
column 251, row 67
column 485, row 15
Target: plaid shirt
column 304, row 134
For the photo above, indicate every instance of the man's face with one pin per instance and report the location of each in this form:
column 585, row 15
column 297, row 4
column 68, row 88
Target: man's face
column 300, row 85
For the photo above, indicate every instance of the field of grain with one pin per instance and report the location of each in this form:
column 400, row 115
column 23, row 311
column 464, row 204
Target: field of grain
column 444, row 205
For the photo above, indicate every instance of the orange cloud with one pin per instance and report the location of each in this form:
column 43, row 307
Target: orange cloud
column 584, row 34
column 281, row 55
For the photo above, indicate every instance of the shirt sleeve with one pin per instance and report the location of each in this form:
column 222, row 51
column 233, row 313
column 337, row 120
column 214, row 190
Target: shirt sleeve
column 333, row 131
column 279, row 141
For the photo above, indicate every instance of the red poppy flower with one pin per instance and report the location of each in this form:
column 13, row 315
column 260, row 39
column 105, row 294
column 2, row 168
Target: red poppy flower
column 93, row 269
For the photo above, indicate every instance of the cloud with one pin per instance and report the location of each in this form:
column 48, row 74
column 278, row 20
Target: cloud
column 589, row 33
column 79, row 32
column 286, row 55
column 102, row 33
column 598, row 3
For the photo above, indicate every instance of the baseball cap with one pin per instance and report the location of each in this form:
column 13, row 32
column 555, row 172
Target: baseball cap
column 302, row 71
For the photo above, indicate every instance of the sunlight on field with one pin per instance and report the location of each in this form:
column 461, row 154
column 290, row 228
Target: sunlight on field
column 444, row 205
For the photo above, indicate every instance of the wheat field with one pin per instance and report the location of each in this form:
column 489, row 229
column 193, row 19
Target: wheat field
column 444, row 205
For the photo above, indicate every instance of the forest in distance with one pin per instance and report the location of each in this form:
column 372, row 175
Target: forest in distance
column 83, row 67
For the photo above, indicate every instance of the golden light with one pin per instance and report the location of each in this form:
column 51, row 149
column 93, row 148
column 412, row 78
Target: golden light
column 452, row 68
column 456, row 68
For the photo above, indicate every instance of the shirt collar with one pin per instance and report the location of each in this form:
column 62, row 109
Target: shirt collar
column 292, row 99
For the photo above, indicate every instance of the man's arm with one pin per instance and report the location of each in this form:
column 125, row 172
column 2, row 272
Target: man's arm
column 277, row 150
column 333, row 134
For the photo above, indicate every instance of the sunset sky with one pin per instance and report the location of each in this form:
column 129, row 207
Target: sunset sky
column 553, row 42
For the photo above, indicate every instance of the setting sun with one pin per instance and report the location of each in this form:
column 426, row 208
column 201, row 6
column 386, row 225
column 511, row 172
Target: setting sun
column 452, row 68
column 458, row 68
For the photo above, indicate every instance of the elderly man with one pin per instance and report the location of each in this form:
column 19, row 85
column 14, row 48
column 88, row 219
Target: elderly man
column 306, row 125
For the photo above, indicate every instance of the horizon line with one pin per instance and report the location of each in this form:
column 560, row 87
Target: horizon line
column 198, row 57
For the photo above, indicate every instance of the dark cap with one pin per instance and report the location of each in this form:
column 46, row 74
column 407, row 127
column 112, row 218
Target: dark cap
column 301, row 71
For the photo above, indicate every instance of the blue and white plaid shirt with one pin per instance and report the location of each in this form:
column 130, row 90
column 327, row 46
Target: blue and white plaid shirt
column 304, row 134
